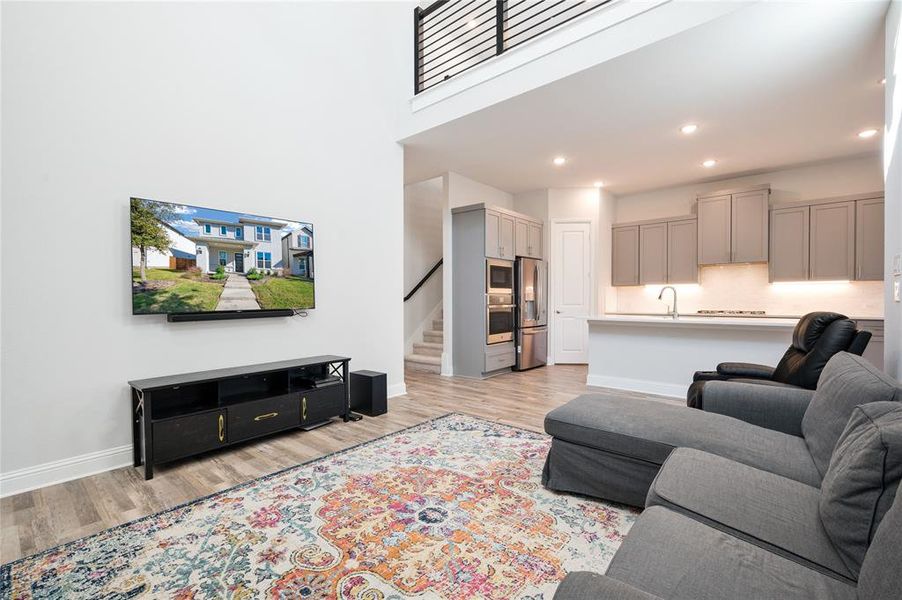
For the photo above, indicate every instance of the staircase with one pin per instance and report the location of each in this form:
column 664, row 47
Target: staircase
column 427, row 355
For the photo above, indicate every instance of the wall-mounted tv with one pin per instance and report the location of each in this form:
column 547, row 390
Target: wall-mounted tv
column 201, row 261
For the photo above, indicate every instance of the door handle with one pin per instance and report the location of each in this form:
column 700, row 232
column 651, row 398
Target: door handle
column 304, row 408
column 266, row 416
column 557, row 312
column 221, row 429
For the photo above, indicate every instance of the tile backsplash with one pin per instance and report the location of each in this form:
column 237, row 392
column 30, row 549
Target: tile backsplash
column 745, row 287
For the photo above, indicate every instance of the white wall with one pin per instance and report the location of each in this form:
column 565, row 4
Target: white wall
column 892, row 168
column 463, row 191
column 837, row 178
column 284, row 109
column 746, row 287
column 422, row 249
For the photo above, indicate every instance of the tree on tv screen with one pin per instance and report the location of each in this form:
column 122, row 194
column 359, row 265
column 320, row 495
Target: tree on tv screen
column 148, row 230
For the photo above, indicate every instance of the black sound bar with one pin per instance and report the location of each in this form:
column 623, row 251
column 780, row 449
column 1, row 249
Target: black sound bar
column 227, row 315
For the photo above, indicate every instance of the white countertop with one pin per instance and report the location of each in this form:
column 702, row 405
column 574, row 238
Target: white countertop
column 694, row 321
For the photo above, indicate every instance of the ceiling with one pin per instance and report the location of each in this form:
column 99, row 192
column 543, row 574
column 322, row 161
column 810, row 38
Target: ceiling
column 772, row 85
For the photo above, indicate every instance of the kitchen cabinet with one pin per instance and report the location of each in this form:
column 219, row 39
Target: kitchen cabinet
column 682, row 251
column 714, row 226
column 506, row 236
column 625, row 255
column 492, row 234
column 535, row 233
column 832, row 241
column 733, row 227
column 789, row 244
column 521, row 237
column 748, row 235
column 653, row 253
column 869, row 239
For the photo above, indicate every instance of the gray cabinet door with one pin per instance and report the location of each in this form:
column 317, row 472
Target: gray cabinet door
column 749, row 226
column 521, row 237
column 869, row 239
column 653, row 253
column 789, row 244
column 682, row 251
column 714, row 223
column 832, row 245
column 536, row 240
column 492, row 234
column 625, row 255
column 506, row 236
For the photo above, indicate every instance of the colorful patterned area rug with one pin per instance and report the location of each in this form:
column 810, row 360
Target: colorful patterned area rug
column 453, row 508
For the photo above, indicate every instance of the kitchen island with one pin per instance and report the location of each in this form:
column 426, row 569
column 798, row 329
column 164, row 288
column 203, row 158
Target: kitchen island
column 659, row 354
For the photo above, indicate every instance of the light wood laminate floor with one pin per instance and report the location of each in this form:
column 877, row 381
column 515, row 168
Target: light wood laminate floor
column 43, row 518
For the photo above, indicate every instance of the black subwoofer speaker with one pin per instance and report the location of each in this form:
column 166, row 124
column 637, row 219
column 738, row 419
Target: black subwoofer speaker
column 369, row 393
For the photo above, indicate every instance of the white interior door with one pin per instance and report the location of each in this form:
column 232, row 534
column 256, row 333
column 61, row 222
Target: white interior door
column 572, row 290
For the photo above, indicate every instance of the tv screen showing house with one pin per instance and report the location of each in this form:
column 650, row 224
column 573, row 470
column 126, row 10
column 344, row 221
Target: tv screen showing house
column 189, row 259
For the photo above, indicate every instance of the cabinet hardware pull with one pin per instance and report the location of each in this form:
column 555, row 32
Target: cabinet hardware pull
column 266, row 416
column 304, row 408
column 221, row 429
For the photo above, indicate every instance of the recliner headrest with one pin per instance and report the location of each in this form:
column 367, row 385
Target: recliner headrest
column 810, row 328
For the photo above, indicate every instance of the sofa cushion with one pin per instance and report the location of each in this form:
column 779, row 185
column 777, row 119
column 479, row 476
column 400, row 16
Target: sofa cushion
column 881, row 576
column 649, row 430
column 586, row 585
column 861, row 483
column 846, row 382
column 767, row 510
column 672, row 556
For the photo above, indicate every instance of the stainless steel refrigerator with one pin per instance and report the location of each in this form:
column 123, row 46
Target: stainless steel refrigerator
column 531, row 297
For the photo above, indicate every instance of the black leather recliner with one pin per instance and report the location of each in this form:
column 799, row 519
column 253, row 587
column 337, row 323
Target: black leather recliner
column 815, row 339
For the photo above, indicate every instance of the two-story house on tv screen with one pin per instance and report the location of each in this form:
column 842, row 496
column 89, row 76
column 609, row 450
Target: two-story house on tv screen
column 239, row 247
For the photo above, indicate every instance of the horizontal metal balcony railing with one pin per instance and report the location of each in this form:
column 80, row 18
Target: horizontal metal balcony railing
column 453, row 36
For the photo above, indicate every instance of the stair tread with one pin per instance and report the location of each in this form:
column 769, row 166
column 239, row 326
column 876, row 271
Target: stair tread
column 435, row 345
column 423, row 358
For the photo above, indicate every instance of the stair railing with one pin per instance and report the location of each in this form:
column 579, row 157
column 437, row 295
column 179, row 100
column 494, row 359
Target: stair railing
column 423, row 280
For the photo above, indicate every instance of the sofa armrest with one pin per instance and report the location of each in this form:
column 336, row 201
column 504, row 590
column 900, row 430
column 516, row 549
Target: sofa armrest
column 750, row 370
column 585, row 585
column 780, row 408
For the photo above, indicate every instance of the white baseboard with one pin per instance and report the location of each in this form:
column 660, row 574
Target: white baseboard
column 672, row 390
column 67, row 469
column 397, row 389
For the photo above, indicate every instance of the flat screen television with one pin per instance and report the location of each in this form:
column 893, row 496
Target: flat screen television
column 194, row 260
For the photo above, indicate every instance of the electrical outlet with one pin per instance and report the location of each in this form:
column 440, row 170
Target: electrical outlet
column 897, row 264
column 897, row 289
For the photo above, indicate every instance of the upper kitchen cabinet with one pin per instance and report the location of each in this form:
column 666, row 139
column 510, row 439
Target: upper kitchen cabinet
column 869, row 239
column 682, row 251
column 492, row 233
column 732, row 227
column 749, row 226
column 653, row 253
column 536, row 240
column 789, row 244
column 506, row 235
column 832, row 242
column 625, row 255
column 521, row 237
column 714, row 230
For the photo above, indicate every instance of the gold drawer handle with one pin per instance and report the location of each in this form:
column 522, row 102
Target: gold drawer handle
column 266, row 416
column 221, row 429
column 304, row 408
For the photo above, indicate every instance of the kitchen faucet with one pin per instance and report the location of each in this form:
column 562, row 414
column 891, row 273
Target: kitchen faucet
column 673, row 313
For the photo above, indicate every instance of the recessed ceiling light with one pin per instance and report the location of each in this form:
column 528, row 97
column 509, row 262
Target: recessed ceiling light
column 883, row 81
column 689, row 128
column 599, row 184
column 867, row 133
column 709, row 163
column 559, row 160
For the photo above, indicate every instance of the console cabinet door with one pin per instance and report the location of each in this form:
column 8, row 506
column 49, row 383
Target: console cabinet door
column 535, row 240
column 521, row 237
column 682, row 251
column 714, row 224
column 653, row 253
column 748, row 236
column 506, row 236
column 185, row 436
column 625, row 255
column 789, row 244
column 832, row 245
column 492, row 234
column 869, row 239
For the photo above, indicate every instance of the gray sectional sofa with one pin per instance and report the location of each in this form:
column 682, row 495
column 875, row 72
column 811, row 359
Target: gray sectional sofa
column 779, row 496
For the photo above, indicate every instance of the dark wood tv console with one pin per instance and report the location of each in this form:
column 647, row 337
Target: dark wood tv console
column 182, row 415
